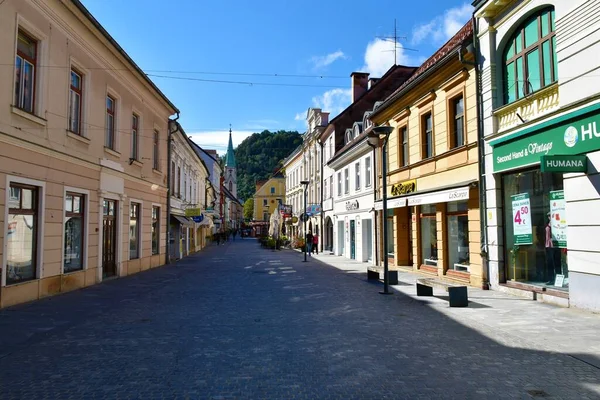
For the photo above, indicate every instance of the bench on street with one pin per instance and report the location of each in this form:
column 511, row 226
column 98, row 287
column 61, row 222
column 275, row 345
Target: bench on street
column 373, row 274
column 457, row 294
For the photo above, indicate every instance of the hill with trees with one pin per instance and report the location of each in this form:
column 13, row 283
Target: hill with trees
column 261, row 154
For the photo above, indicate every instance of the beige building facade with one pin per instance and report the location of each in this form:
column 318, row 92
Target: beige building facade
column 433, row 219
column 83, row 154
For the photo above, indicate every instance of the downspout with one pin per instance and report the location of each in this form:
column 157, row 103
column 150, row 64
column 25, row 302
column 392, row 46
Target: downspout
column 322, row 191
column 169, row 157
column 481, row 155
column 375, row 189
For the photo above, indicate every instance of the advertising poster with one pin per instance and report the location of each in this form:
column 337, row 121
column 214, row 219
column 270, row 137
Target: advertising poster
column 558, row 218
column 521, row 206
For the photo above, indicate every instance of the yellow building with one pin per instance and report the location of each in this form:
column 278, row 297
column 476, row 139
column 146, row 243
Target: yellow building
column 269, row 194
column 433, row 197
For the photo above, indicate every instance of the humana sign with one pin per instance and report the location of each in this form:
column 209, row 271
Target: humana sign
column 564, row 164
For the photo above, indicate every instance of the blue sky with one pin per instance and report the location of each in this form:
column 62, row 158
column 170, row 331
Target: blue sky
column 238, row 40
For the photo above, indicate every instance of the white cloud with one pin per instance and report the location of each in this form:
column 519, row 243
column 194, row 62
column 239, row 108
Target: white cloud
column 333, row 101
column 442, row 27
column 324, row 61
column 218, row 140
column 379, row 57
column 299, row 116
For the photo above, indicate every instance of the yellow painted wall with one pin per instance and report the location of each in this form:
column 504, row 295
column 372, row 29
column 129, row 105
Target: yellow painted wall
column 264, row 193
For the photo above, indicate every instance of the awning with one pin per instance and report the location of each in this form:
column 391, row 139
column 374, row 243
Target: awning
column 443, row 194
column 183, row 220
column 204, row 222
column 393, row 203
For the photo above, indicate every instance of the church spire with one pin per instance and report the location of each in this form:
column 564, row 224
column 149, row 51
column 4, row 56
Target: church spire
column 230, row 158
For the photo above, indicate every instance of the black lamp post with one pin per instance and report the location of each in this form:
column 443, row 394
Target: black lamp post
column 373, row 137
column 304, row 216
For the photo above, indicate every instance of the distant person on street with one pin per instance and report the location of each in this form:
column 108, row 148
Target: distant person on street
column 309, row 242
column 217, row 238
column 234, row 234
column 315, row 247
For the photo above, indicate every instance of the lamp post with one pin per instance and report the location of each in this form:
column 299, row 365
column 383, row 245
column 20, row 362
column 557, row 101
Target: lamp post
column 304, row 215
column 373, row 137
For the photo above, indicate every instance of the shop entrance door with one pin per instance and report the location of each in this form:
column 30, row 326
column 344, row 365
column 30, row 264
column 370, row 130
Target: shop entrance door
column 352, row 240
column 367, row 240
column 109, row 239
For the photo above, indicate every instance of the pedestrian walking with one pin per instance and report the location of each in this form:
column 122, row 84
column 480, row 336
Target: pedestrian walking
column 315, row 247
column 217, row 238
column 234, row 234
column 309, row 243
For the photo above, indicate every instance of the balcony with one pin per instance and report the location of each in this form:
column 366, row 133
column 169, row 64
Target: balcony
column 528, row 108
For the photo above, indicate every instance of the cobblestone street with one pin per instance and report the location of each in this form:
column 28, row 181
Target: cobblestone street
column 241, row 322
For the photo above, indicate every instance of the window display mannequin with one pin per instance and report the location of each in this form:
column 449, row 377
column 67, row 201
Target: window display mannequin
column 553, row 263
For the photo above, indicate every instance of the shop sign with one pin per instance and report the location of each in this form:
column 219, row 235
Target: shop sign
column 563, row 164
column 440, row 197
column 393, row 203
column 352, row 205
column 193, row 212
column 522, row 233
column 558, row 218
column 198, row 218
column 294, row 220
column 285, row 210
column 313, row 209
column 572, row 134
column 405, row 187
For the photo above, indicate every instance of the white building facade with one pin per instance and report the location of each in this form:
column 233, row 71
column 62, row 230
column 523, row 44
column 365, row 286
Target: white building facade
column 353, row 197
column 540, row 100
column 294, row 191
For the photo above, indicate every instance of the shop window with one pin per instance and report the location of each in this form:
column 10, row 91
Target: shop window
column 74, row 232
column 457, row 219
column 390, row 233
column 134, row 231
column 535, row 228
column 21, row 238
column 155, row 230
column 429, row 253
column 530, row 57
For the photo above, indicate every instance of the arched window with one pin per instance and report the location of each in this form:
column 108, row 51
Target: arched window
column 530, row 57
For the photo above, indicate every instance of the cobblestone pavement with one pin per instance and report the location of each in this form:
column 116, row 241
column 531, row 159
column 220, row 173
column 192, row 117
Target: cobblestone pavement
column 240, row 322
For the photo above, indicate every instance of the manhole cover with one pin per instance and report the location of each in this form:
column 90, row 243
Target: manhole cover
column 537, row 393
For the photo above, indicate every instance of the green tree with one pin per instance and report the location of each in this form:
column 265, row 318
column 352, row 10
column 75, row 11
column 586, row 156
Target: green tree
column 249, row 209
column 260, row 155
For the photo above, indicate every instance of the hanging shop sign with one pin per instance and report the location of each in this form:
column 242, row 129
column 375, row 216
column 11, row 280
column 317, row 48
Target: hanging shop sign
column 198, row 218
column 285, row 210
column 570, row 134
column 563, row 164
column 558, row 218
column 521, row 207
column 352, row 205
column 405, row 187
column 313, row 209
column 193, row 212
column 294, row 220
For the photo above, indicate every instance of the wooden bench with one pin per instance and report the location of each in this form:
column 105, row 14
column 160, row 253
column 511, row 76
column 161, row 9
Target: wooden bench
column 373, row 274
column 457, row 293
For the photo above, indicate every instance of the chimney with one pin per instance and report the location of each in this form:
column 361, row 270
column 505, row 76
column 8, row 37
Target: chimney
column 373, row 82
column 324, row 118
column 360, row 84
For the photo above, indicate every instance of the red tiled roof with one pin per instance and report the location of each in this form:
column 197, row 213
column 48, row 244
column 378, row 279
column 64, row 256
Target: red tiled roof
column 451, row 45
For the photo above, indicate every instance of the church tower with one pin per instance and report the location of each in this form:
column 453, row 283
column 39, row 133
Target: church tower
column 230, row 170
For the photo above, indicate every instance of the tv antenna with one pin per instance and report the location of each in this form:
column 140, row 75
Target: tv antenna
column 396, row 40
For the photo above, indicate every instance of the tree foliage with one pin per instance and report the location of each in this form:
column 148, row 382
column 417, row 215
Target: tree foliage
column 261, row 154
column 249, row 209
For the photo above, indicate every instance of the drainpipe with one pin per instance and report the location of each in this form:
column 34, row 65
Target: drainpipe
column 481, row 155
column 170, row 123
column 322, row 190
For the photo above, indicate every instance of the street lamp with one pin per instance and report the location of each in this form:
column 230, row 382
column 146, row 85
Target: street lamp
column 373, row 137
column 305, row 216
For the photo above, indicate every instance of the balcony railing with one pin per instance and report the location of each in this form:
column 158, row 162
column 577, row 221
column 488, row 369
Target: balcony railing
column 528, row 108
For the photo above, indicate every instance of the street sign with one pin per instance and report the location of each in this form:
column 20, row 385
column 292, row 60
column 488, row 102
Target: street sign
column 304, row 217
column 198, row 218
column 193, row 212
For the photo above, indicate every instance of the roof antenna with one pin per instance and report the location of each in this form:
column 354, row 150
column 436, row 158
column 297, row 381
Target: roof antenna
column 396, row 40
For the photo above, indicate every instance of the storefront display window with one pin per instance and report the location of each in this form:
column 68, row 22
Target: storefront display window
column 535, row 228
column 458, row 236
column 390, row 233
column 429, row 254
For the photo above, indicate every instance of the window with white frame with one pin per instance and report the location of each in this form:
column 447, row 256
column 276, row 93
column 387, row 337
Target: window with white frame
column 110, row 123
column 357, row 175
column 368, row 171
column 25, row 72
column 339, row 175
column 346, row 181
column 331, row 186
column 75, row 101
column 135, row 120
